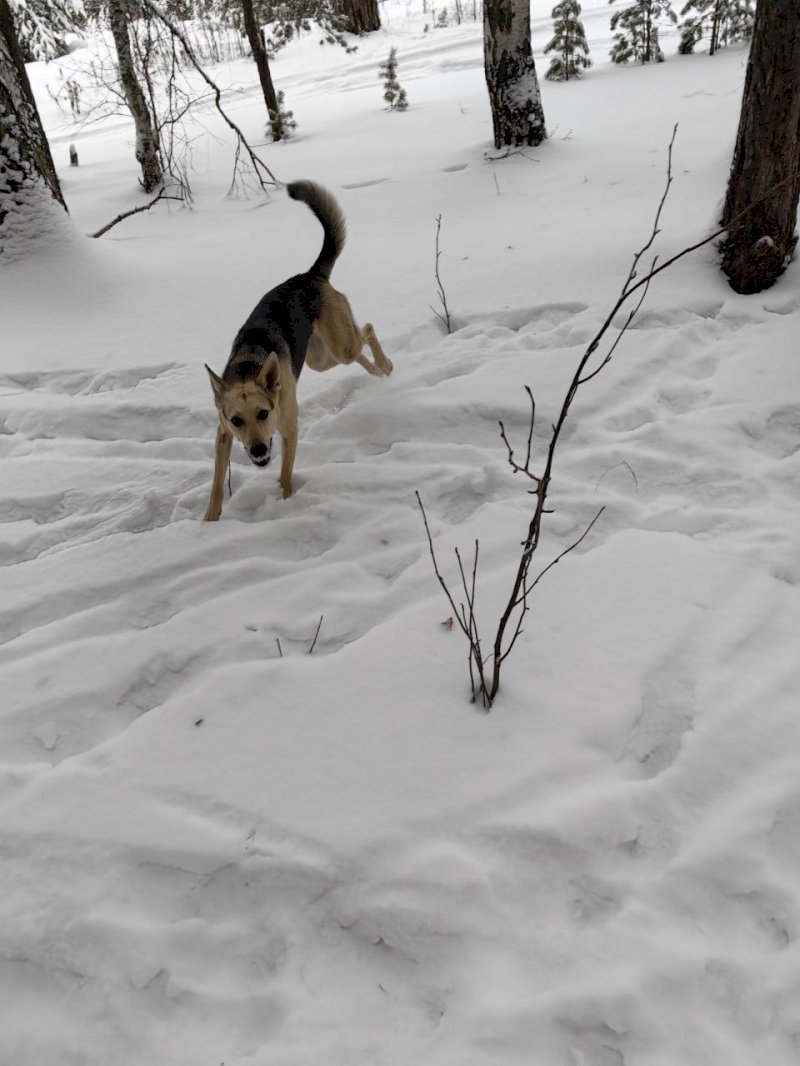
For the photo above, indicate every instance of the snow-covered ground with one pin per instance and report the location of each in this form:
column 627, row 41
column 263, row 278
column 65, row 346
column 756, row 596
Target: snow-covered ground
column 212, row 853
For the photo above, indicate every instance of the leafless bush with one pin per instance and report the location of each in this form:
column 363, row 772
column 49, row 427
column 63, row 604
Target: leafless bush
column 485, row 665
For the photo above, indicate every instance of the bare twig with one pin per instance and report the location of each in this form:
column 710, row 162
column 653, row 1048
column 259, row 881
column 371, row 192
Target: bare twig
column 162, row 195
column 280, row 649
column 628, row 467
column 314, row 641
column 466, row 621
column 525, row 469
column 509, row 152
column 260, row 168
column 445, row 318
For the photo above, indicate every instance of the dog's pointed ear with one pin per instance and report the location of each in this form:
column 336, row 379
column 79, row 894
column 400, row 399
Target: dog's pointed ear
column 217, row 384
column 269, row 376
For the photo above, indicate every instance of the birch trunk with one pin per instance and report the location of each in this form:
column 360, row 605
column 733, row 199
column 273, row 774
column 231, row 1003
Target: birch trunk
column 767, row 153
column 146, row 151
column 516, row 102
column 29, row 187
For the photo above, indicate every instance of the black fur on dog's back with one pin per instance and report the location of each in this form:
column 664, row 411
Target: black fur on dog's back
column 330, row 217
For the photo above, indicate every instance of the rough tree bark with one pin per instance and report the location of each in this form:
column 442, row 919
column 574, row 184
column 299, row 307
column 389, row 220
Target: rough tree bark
column 29, row 187
column 767, row 153
column 516, row 102
column 362, row 15
column 146, row 151
column 262, row 65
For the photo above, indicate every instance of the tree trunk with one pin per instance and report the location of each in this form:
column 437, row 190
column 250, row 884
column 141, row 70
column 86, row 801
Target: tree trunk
column 715, row 21
column 262, row 65
column 648, row 35
column 516, row 102
column 146, row 133
column 767, row 153
column 28, row 180
column 362, row 15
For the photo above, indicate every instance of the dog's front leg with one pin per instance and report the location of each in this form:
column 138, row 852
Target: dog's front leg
column 287, row 460
column 222, row 455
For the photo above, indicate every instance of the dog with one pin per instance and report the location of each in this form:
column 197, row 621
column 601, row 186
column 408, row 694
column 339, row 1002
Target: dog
column 302, row 321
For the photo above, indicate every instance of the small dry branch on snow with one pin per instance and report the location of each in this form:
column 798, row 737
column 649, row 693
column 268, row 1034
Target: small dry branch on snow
column 443, row 318
column 485, row 666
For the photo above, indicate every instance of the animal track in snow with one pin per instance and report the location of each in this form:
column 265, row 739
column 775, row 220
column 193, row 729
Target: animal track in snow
column 83, row 382
column 666, row 715
column 364, row 184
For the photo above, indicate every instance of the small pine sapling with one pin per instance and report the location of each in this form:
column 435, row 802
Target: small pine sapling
column 569, row 43
column 393, row 93
column 282, row 121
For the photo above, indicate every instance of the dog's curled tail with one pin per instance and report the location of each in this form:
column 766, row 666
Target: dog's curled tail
column 325, row 207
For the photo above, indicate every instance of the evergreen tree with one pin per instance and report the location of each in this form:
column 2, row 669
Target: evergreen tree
column 723, row 20
column 569, row 42
column 42, row 25
column 638, row 36
column 393, row 94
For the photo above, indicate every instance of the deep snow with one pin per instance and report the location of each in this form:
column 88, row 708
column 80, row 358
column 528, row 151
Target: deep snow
column 212, row 853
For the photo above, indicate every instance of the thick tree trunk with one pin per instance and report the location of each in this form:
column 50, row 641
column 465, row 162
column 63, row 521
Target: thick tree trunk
column 767, row 153
column 28, row 180
column 516, row 102
column 362, row 15
column 262, row 66
column 146, row 133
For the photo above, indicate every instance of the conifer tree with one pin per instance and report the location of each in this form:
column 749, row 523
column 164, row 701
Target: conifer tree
column 393, row 93
column 637, row 38
column 569, row 43
column 42, row 25
column 723, row 20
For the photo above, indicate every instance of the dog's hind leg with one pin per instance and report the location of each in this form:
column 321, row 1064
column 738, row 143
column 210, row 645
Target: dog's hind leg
column 222, row 455
column 370, row 337
column 344, row 339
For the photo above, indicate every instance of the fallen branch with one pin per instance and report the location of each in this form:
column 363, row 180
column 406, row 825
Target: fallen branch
column 162, row 195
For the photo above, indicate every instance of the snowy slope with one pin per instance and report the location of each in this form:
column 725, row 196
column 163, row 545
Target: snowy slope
column 216, row 850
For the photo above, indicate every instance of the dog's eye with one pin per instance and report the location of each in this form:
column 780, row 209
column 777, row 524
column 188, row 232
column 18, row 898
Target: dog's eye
column 262, row 415
column 236, row 421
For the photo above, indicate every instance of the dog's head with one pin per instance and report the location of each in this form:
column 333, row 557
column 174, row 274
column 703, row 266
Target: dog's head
column 247, row 409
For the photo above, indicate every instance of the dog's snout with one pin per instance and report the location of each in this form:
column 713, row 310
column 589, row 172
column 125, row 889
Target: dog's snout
column 258, row 449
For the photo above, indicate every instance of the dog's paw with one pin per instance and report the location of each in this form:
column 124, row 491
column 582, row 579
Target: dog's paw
column 212, row 514
column 389, row 367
